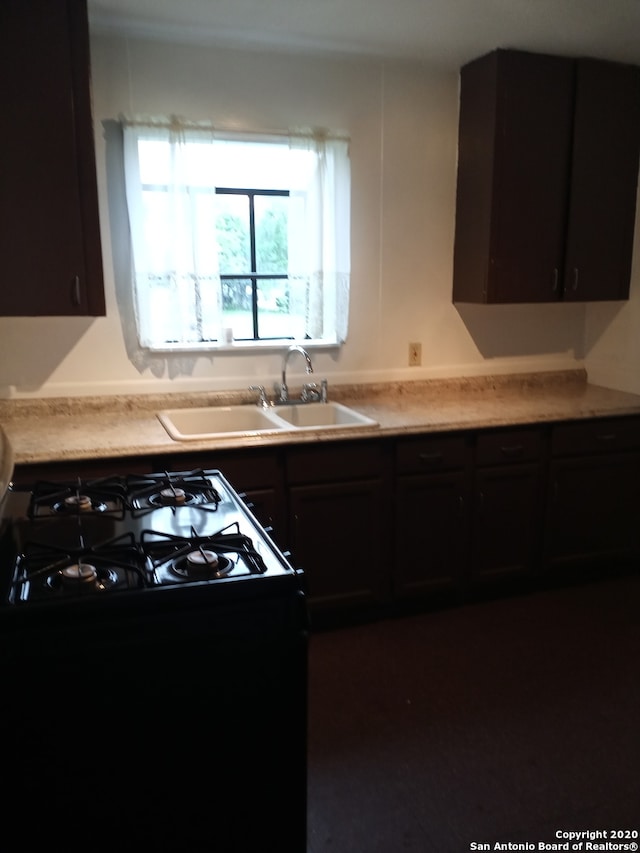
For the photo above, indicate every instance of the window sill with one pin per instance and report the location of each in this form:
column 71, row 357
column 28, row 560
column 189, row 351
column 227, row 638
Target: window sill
column 240, row 347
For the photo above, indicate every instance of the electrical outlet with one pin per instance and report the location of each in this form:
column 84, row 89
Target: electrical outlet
column 415, row 355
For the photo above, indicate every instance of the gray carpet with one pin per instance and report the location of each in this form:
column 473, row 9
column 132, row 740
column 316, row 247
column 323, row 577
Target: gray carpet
column 507, row 720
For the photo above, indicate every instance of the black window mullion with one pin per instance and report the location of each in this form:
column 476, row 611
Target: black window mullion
column 253, row 275
column 254, row 270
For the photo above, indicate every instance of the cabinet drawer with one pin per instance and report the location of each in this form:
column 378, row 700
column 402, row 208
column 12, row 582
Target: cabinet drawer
column 432, row 453
column 87, row 469
column 600, row 435
column 331, row 462
column 245, row 469
column 513, row 445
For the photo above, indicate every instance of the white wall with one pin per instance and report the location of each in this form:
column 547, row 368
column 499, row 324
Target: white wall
column 612, row 334
column 402, row 120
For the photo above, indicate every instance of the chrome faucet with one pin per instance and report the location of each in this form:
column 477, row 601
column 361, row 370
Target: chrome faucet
column 284, row 391
column 263, row 402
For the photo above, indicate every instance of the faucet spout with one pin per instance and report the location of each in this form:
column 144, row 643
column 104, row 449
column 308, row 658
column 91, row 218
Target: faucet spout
column 284, row 390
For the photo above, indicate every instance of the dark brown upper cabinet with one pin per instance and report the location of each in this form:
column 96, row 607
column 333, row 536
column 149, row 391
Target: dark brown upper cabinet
column 49, row 228
column 547, row 179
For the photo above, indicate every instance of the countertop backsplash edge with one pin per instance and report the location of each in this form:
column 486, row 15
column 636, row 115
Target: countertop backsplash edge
column 428, row 388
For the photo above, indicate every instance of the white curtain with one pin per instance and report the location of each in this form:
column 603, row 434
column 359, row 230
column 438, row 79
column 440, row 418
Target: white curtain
column 320, row 238
column 178, row 295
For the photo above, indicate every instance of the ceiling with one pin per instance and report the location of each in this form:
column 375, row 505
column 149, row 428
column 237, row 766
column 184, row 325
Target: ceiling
column 442, row 32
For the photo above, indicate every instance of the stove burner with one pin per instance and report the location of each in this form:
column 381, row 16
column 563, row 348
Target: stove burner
column 201, row 564
column 82, row 577
column 79, row 503
column 79, row 573
column 172, row 497
column 202, row 559
column 177, row 495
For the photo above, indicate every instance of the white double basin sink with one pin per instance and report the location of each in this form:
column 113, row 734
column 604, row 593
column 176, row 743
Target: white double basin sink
column 249, row 420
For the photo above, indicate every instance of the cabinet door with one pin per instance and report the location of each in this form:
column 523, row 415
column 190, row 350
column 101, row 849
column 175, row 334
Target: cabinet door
column 506, row 522
column 604, row 181
column 593, row 508
column 513, row 167
column 431, row 533
column 547, row 179
column 49, row 231
column 339, row 537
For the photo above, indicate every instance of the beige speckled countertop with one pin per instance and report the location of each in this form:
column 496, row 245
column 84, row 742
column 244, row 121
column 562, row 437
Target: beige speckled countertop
column 48, row 430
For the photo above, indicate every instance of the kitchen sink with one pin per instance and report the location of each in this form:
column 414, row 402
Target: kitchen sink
column 322, row 416
column 247, row 420
column 219, row 422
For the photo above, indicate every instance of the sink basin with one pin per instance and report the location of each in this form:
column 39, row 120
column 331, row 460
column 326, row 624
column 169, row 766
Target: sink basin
column 248, row 420
column 322, row 416
column 219, row 422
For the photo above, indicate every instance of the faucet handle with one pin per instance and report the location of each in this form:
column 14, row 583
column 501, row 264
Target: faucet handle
column 314, row 393
column 262, row 399
column 310, row 392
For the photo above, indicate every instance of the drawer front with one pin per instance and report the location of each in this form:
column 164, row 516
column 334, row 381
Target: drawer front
column 600, row 435
column 334, row 462
column 504, row 446
column 245, row 469
column 432, row 453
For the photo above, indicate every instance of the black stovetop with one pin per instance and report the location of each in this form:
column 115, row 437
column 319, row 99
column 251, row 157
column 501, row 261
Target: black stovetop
column 99, row 540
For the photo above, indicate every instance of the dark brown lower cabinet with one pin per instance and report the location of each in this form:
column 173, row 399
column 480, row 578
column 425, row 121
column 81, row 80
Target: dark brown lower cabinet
column 432, row 497
column 593, row 502
column 594, row 509
column 339, row 522
column 505, row 522
column 431, row 533
column 507, row 504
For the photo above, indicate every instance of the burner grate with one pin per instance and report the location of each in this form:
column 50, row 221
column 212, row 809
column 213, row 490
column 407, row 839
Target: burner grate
column 149, row 492
column 188, row 557
column 46, row 571
column 81, row 498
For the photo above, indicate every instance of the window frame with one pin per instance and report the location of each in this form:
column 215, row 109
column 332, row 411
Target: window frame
column 331, row 284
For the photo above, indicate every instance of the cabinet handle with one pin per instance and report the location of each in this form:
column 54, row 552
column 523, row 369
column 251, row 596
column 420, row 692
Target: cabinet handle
column 430, row 457
column 606, row 436
column 554, row 285
column 75, row 290
column 575, row 278
column 513, row 450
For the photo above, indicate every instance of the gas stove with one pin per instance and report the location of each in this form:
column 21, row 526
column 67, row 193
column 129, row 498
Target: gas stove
column 97, row 540
column 149, row 626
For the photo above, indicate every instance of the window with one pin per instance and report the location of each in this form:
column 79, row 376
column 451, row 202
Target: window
column 237, row 231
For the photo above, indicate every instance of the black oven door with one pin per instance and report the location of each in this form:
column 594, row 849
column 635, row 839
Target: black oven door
column 157, row 727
